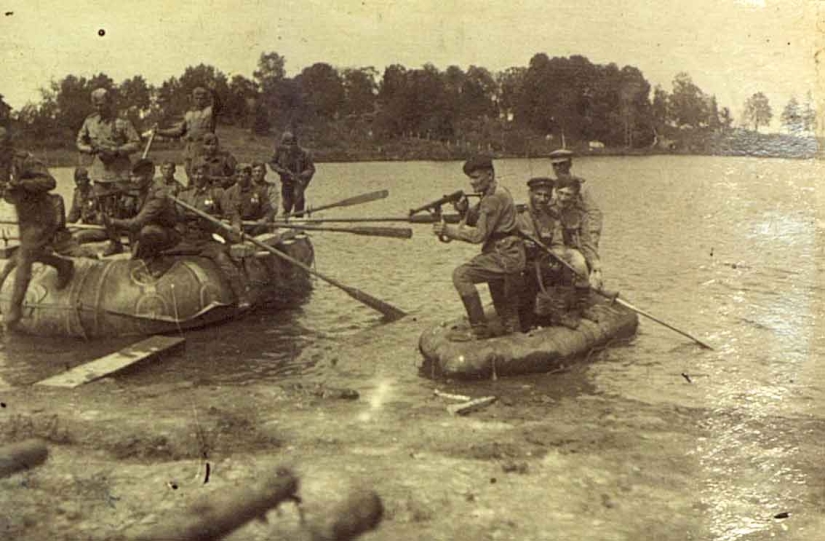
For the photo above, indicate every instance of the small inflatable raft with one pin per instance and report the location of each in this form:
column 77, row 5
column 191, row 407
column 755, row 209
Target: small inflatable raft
column 540, row 350
column 118, row 297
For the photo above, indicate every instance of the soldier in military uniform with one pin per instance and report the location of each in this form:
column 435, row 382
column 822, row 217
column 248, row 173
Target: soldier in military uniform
column 562, row 161
column 271, row 189
column 85, row 209
column 109, row 140
column 26, row 184
column 196, row 123
column 248, row 201
column 167, row 178
column 492, row 224
column 552, row 294
column 152, row 230
column 295, row 167
column 219, row 164
column 198, row 233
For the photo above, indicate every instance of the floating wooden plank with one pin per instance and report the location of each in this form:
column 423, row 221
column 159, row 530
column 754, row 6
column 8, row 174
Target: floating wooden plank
column 145, row 350
column 21, row 456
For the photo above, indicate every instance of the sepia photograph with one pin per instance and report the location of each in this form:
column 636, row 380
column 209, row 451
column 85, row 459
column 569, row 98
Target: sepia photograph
column 438, row 270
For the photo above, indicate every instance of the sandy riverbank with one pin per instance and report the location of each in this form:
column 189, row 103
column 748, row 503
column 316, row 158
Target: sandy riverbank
column 554, row 458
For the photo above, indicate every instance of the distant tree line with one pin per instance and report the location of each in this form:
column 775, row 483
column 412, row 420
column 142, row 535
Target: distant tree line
column 556, row 100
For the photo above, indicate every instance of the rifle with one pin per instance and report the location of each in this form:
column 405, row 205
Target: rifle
column 434, row 208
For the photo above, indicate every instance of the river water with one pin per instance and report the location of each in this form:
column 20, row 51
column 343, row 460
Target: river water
column 730, row 249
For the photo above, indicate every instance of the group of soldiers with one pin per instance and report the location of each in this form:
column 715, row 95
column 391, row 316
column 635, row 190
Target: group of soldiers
column 122, row 197
column 540, row 260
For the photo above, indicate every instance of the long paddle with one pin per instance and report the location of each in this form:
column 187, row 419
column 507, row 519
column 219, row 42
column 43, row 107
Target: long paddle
column 416, row 219
column 390, row 232
column 148, row 144
column 357, row 200
column 390, row 312
column 613, row 296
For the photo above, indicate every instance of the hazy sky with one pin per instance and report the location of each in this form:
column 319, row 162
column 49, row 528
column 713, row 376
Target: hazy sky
column 731, row 48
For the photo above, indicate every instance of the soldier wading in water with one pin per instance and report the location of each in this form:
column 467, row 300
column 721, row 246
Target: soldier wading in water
column 491, row 223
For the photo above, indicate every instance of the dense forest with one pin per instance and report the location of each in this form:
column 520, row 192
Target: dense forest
column 359, row 113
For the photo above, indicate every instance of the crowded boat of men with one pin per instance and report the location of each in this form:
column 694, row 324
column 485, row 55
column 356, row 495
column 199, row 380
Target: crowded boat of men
column 540, row 260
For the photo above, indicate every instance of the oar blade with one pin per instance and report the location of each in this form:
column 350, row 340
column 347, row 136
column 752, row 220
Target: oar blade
column 349, row 202
column 390, row 313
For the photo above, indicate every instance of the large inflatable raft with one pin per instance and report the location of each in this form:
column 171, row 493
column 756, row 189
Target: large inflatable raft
column 118, row 297
column 541, row 350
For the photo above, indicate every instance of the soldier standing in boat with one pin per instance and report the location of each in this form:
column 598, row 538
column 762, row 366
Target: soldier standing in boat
column 152, row 230
column 196, row 123
column 219, row 164
column 26, row 184
column 491, row 223
column 552, row 292
column 248, row 201
column 109, row 140
column 85, row 209
column 295, row 167
column 562, row 161
column 271, row 189
column 198, row 233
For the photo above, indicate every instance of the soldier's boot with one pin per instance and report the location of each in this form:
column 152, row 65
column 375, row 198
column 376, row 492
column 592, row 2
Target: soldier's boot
column 503, row 308
column 565, row 313
column 478, row 322
column 64, row 267
column 582, row 304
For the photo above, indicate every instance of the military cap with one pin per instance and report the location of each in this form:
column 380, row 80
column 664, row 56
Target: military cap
column 143, row 167
column 199, row 90
column 289, row 138
column 540, row 182
column 243, row 168
column 477, row 163
column 569, row 182
column 561, row 155
column 210, row 137
column 101, row 93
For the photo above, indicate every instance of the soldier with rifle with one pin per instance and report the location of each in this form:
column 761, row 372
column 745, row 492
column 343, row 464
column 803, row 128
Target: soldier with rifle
column 26, row 184
column 295, row 167
column 492, row 224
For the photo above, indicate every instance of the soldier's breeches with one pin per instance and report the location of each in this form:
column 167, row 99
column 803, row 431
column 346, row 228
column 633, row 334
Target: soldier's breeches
column 482, row 268
column 153, row 239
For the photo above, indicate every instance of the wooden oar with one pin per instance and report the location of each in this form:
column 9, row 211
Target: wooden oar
column 357, row 200
column 390, row 312
column 613, row 296
column 390, row 232
column 417, row 219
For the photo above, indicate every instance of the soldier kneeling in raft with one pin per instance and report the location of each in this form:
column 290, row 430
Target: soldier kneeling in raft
column 152, row 229
column 491, row 223
column 553, row 294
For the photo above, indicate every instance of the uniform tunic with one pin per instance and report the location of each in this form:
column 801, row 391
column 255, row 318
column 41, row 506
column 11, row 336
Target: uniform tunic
column 196, row 123
column 207, row 199
column 220, row 169
column 296, row 169
column 249, row 203
column 593, row 217
column 118, row 133
column 502, row 252
column 153, row 228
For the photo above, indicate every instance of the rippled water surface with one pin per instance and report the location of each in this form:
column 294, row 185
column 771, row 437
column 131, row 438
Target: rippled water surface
column 728, row 248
